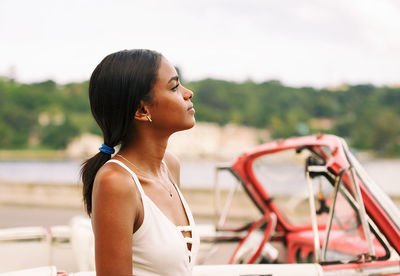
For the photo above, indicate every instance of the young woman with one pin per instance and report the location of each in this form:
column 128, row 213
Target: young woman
column 142, row 224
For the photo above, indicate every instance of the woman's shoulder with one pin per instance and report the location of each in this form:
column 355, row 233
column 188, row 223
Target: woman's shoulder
column 173, row 165
column 114, row 180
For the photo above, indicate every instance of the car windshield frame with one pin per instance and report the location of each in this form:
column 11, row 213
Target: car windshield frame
column 392, row 211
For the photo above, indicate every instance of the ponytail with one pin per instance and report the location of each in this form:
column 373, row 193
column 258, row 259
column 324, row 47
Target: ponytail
column 88, row 173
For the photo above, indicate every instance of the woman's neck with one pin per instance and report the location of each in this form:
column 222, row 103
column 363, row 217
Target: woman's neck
column 146, row 153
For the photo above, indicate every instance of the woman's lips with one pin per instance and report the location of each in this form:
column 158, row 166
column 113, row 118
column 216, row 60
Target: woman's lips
column 191, row 109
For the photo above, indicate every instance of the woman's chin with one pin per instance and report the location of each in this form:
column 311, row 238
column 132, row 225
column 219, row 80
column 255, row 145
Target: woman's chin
column 190, row 124
column 193, row 123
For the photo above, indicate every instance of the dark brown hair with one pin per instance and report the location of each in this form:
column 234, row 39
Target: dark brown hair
column 116, row 87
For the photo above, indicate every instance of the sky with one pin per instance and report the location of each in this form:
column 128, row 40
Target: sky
column 301, row 43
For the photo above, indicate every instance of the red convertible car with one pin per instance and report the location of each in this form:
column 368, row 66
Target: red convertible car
column 317, row 205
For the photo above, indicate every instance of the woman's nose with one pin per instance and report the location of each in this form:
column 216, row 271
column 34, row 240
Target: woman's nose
column 188, row 94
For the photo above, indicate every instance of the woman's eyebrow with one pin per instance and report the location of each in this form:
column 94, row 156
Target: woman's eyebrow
column 175, row 78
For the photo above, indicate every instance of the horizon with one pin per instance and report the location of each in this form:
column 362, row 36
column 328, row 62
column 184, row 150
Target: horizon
column 342, row 86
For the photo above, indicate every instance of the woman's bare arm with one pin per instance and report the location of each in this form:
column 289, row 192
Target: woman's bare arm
column 114, row 212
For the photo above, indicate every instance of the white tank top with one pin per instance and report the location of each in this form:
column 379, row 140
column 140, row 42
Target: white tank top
column 158, row 246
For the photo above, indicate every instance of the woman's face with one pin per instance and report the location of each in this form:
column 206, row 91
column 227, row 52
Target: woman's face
column 171, row 108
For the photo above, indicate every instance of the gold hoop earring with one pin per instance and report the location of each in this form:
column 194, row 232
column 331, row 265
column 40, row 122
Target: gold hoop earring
column 148, row 118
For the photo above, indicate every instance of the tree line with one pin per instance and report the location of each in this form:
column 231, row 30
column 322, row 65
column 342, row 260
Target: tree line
column 48, row 115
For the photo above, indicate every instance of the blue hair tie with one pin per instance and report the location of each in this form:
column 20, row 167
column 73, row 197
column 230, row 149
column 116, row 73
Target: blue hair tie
column 106, row 149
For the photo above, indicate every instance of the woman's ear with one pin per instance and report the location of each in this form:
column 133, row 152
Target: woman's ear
column 142, row 113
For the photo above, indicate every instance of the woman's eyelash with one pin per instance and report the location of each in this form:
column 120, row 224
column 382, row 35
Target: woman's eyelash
column 175, row 87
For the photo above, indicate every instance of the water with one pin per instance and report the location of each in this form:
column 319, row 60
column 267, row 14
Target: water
column 386, row 173
column 198, row 174
column 40, row 171
column 194, row 174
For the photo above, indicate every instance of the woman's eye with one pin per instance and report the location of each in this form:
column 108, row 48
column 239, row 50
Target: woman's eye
column 175, row 87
